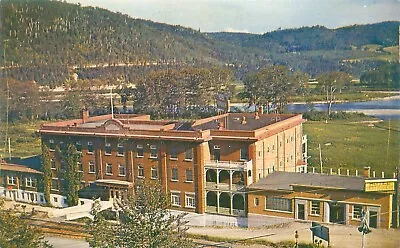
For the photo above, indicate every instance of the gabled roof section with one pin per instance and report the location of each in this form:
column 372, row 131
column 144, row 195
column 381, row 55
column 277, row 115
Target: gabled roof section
column 18, row 168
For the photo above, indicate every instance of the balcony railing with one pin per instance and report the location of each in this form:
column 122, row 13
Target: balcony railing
column 244, row 165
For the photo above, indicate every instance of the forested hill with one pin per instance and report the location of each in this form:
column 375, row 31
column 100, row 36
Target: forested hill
column 44, row 32
column 47, row 41
column 317, row 38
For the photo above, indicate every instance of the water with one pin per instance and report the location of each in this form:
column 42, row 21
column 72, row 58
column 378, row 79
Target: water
column 388, row 108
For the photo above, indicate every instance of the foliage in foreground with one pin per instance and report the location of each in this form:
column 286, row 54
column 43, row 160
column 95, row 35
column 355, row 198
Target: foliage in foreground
column 144, row 221
column 15, row 232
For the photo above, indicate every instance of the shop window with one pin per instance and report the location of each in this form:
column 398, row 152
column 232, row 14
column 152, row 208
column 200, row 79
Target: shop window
column 280, row 204
column 315, row 207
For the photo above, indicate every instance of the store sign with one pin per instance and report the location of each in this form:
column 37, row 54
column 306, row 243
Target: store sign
column 379, row 185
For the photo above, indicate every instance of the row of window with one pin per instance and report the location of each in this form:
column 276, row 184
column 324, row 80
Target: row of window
column 190, row 200
column 29, row 181
column 175, row 176
column 284, row 204
column 120, row 150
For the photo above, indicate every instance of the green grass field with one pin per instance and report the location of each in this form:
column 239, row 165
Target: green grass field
column 348, row 96
column 350, row 145
column 24, row 140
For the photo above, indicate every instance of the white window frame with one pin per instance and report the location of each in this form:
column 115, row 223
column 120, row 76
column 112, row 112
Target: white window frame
column 29, row 182
column 186, row 175
column 190, row 200
column 154, row 170
column 314, row 208
column 176, row 199
column 52, row 143
column 107, row 145
column 118, row 147
column 90, row 144
column 174, row 151
column 11, row 180
column 53, row 161
column 94, row 169
column 172, row 174
column 140, row 171
column 354, row 213
column 242, row 153
column 78, row 144
column 189, row 150
column 152, row 149
column 119, row 170
column 80, row 166
column 108, row 165
column 139, row 147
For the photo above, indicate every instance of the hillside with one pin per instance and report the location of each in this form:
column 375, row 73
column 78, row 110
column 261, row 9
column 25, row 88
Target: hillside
column 48, row 41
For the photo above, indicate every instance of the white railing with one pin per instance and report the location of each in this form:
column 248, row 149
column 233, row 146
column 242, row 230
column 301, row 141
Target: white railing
column 228, row 164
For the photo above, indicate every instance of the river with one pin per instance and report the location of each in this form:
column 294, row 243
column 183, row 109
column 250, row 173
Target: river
column 385, row 108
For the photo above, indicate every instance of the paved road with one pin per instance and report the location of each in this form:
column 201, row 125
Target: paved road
column 60, row 242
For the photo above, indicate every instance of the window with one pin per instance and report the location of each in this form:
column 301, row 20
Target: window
column 90, row 147
column 12, row 180
column 174, row 174
column 268, row 150
column 29, row 182
column 217, row 153
column 174, row 153
column 189, row 175
column 154, row 173
column 190, row 201
column 107, row 149
column 357, row 211
column 256, row 201
column 53, row 163
column 78, row 146
column 120, row 150
column 91, row 167
column 188, row 154
column 249, row 173
column 139, row 151
column 109, row 169
column 315, row 207
column 244, row 154
column 140, row 171
column 176, row 199
column 153, row 151
column 62, row 145
column 54, row 184
column 121, row 170
column 55, row 199
column 280, row 204
column 52, row 145
column 80, row 167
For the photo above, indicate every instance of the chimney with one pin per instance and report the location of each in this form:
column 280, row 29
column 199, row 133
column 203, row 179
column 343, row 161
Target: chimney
column 260, row 110
column 85, row 115
column 243, row 120
column 367, row 172
column 256, row 116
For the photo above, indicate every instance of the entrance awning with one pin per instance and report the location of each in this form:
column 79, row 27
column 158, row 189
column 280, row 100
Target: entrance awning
column 113, row 183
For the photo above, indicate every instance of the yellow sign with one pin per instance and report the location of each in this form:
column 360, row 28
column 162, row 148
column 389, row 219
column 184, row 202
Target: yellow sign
column 376, row 186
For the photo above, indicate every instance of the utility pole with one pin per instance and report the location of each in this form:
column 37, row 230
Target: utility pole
column 320, row 157
column 363, row 227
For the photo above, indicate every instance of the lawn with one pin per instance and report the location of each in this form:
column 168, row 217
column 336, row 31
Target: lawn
column 349, row 145
column 24, row 140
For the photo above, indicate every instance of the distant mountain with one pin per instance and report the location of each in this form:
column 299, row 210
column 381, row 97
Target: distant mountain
column 317, row 37
column 48, row 41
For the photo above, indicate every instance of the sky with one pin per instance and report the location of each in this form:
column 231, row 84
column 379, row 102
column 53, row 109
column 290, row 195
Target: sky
column 254, row 16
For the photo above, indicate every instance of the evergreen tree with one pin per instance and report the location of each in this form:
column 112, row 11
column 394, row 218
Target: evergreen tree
column 71, row 174
column 47, row 174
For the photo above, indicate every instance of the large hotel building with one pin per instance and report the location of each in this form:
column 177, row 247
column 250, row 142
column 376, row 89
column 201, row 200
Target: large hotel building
column 205, row 165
